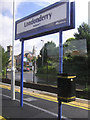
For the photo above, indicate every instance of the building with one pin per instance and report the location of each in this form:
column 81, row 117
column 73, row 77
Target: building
column 9, row 50
column 28, row 57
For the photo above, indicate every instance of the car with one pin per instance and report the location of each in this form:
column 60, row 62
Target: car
column 8, row 69
column 26, row 69
column 16, row 70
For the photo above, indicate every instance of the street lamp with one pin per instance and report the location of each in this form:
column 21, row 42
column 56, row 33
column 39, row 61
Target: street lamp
column 34, row 67
column 35, row 61
column 42, row 50
column 13, row 68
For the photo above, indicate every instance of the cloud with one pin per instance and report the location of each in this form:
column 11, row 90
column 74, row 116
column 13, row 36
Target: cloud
column 81, row 11
column 5, row 5
column 8, row 4
column 5, row 30
column 6, row 26
column 6, row 20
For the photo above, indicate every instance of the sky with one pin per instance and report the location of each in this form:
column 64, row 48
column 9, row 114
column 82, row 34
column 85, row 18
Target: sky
column 26, row 7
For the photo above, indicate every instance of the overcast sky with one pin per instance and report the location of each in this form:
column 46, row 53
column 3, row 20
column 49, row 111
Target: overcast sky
column 27, row 7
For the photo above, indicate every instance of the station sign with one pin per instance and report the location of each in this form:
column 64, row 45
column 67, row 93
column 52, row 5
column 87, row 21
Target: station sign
column 46, row 21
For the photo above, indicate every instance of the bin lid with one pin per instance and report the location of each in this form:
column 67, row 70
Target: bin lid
column 65, row 75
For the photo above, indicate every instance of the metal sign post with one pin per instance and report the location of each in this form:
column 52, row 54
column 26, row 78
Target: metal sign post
column 21, row 85
column 60, row 71
column 60, row 53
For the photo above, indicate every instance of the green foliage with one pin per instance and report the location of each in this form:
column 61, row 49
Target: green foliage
column 67, row 43
column 39, row 62
column 47, row 70
column 83, row 32
column 42, row 70
column 77, row 66
column 67, row 57
column 5, row 59
column 70, row 39
column 52, row 70
column 87, row 89
column 50, row 54
column 49, row 49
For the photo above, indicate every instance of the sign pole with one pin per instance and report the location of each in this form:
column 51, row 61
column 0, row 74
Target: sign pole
column 21, row 85
column 60, row 53
column 60, row 71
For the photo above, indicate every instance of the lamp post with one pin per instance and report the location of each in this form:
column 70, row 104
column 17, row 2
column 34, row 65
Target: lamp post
column 35, row 61
column 13, row 68
column 42, row 50
column 34, row 67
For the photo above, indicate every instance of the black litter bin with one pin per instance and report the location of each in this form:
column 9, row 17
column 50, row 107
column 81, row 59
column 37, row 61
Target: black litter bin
column 66, row 87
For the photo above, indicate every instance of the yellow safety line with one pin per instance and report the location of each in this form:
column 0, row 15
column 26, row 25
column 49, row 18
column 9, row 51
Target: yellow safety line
column 54, row 99
column 77, row 106
column 2, row 118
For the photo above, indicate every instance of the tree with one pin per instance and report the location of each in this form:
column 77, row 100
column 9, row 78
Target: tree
column 68, row 41
column 47, row 50
column 84, row 33
column 50, row 53
column 5, row 58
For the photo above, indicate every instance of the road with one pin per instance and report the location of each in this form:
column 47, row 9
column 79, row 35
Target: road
column 39, row 104
column 29, row 77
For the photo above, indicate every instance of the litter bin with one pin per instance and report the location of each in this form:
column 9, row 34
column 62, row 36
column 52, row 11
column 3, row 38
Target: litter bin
column 66, row 87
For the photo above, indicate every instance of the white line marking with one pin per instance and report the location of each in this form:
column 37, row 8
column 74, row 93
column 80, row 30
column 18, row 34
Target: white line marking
column 29, row 99
column 82, row 99
column 35, row 107
column 41, row 109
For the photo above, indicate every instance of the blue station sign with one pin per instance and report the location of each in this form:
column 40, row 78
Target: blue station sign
column 56, row 17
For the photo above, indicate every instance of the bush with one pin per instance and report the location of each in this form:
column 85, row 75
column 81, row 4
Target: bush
column 51, row 70
column 47, row 70
column 42, row 70
column 87, row 89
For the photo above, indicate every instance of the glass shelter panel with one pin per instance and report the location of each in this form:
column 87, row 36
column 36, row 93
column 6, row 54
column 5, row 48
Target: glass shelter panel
column 76, row 61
